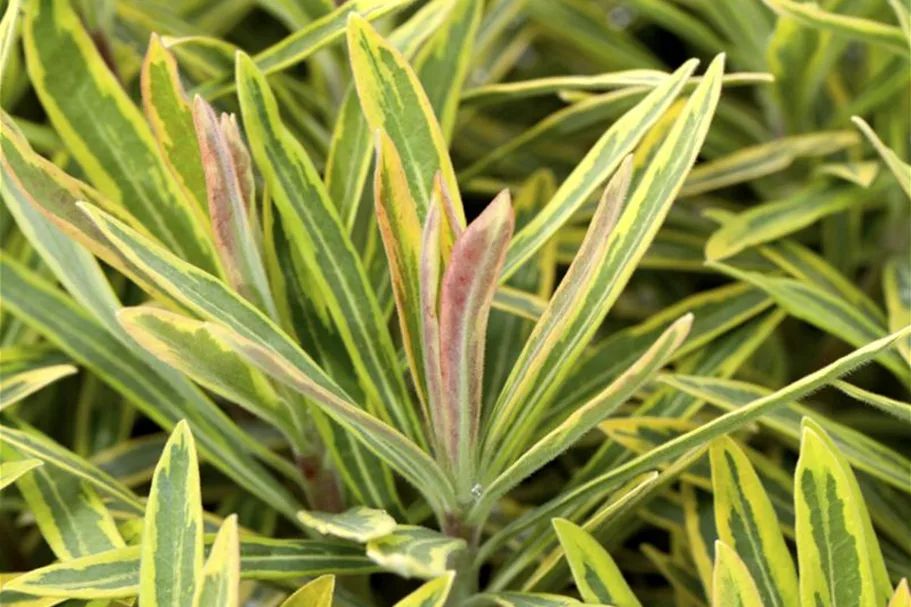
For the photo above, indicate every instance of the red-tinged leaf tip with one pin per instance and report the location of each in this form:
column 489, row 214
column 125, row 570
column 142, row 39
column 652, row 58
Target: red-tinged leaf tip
column 442, row 192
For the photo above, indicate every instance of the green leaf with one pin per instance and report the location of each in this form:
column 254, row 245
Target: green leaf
column 893, row 407
column 12, row 470
column 888, row 37
column 318, row 236
column 748, row 526
column 172, row 548
column 105, row 132
column 412, row 551
column 757, row 161
column 171, row 119
column 589, row 415
column 432, row 594
column 16, row 386
column 897, row 293
column 442, row 64
column 835, row 565
column 115, row 574
column 899, row 168
column 317, row 593
column 392, row 99
column 8, row 31
column 862, row 451
column 358, row 524
column 771, row 220
column 219, row 579
column 597, row 576
column 603, row 159
column 902, row 596
column 732, row 585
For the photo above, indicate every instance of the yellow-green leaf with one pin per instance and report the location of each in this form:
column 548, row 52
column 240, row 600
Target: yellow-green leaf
column 317, row 593
column 732, row 585
column 172, row 548
column 11, row 470
column 412, row 551
column 16, row 386
column 896, row 408
column 219, row 580
column 432, row 594
column 902, row 596
column 596, row 574
column 897, row 293
column 8, row 31
column 359, row 524
column 748, row 525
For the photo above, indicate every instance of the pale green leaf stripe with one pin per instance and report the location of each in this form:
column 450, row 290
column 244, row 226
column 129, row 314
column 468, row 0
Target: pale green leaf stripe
column 165, row 400
column 771, row 220
column 317, row 593
column 899, row 168
column 858, row 173
column 392, row 99
column 184, row 344
column 219, row 582
column 826, row 311
column 596, row 574
column 359, row 524
column 15, row 387
column 308, row 40
column 885, row 404
column 71, row 517
column 106, row 133
column 600, row 161
column 12, row 470
column 512, row 91
column 270, row 349
column 593, row 412
column 34, row 444
column 172, row 550
column 8, row 31
column 171, row 120
column 412, row 551
column 443, row 63
column 316, row 230
column 547, row 358
column 862, row 451
column 764, row 159
column 115, row 574
column 432, row 594
column 732, row 584
column 694, row 439
column 835, row 565
column 864, row 30
column 519, row 303
column 746, row 521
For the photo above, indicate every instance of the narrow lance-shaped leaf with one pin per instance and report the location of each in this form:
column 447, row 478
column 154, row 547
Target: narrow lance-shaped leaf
column 393, row 100
column 732, row 585
column 317, row 593
column 432, row 594
column 16, row 386
column 358, row 524
column 106, row 133
column 895, row 408
column 172, row 548
column 897, row 293
column 8, row 31
column 746, row 521
column 412, row 551
column 228, row 205
column 564, row 305
column 600, row 161
column 589, row 415
column 315, row 229
column 400, row 228
column 834, row 560
column 467, row 291
column 597, row 576
column 219, row 580
column 171, row 119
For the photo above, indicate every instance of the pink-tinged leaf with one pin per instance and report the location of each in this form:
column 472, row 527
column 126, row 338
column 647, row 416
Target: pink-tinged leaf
column 468, row 287
column 243, row 164
column 234, row 239
column 430, row 322
column 400, row 229
column 441, row 192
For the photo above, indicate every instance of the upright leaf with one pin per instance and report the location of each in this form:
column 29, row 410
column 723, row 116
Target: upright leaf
column 172, row 549
column 748, row 526
column 219, row 580
column 899, row 168
column 432, row 594
column 732, row 585
column 317, row 593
